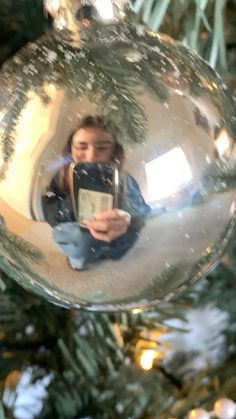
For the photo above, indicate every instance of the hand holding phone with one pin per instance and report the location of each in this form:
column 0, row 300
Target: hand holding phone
column 91, row 202
column 94, row 189
column 109, row 225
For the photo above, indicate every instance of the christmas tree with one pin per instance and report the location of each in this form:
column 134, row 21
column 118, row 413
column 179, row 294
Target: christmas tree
column 156, row 364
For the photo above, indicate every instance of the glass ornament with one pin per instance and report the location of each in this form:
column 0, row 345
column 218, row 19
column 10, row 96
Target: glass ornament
column 225, row 409
column 170, row 122
column 198, row 413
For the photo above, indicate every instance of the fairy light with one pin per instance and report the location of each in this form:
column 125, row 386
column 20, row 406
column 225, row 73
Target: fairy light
column 55, row 4
column 52, row 6
column 224, row 408
column 105, row 9
column 148, row 353
column 147, row 359
column 149, row 350
column 137, row 310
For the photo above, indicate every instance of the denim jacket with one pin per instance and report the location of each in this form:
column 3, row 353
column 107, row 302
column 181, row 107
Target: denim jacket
column 58, row 208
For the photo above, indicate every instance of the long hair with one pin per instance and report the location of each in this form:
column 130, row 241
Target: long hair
column 94, row 122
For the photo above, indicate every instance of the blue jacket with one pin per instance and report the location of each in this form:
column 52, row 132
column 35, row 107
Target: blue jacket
column 57, row 204
column 58, row 209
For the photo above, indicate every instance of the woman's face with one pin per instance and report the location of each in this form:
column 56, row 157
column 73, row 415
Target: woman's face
column 92, row 145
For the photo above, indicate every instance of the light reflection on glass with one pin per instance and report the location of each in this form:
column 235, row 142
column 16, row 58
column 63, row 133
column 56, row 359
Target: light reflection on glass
column 223, row 142
column 167, row 174
column 105, row 9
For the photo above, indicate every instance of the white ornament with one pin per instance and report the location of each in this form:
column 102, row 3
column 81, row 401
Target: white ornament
column 198, row 414
column 225, row 409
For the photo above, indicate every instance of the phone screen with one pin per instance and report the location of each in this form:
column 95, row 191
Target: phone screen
column 94, row 189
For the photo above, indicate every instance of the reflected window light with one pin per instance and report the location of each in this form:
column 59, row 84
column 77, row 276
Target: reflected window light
column 167, row 174
column 105, row 9
column 223, row 142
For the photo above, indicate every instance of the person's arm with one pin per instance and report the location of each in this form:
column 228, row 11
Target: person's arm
column 129, row 218
column 109, row 225
column 134, row 203
column 57, row 205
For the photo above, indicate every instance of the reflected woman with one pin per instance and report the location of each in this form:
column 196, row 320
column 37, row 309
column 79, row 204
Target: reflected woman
column 111, row 233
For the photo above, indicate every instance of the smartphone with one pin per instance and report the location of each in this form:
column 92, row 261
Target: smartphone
column 94, row 188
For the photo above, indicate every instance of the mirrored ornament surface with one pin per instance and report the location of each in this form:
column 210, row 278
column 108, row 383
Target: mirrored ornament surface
column 155, row 152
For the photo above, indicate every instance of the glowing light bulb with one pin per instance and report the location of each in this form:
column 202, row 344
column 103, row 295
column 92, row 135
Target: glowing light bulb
column 137, row 310
column 198, row 414
column 52, row 5
column 225, row 408
column 147, row 358
column 105, row 9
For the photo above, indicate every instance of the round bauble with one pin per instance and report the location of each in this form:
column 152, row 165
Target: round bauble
column 198, row 413
column 225, row 409
column 136, row 205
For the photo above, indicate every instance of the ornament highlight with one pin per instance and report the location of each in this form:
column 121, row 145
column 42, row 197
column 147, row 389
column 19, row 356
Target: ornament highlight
column 198, row 414
column 225, row 409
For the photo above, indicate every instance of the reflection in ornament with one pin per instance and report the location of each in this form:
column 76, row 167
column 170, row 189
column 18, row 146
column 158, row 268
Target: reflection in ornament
column 175, row 123
column 223, row 143
column 174, row 168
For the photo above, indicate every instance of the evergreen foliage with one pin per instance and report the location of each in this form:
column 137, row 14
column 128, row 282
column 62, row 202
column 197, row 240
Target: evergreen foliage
column 20, row 23
column 103, row 71
column 199, row 24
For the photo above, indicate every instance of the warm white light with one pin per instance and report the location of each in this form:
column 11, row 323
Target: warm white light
column 167, row 174
column 105, row 9
column 137, row 310
column 52, row 5
column 223, row 142
column 224, row 408
column 147, row 358
column 198, row 414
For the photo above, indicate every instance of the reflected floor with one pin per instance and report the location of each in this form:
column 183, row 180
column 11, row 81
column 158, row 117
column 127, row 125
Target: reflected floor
column 172, row 238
